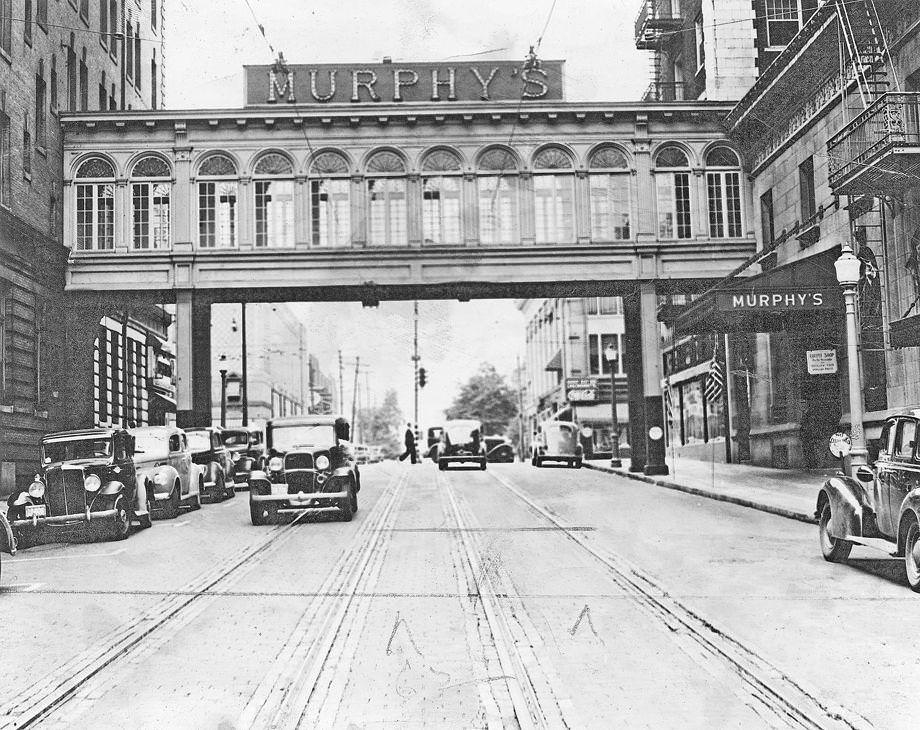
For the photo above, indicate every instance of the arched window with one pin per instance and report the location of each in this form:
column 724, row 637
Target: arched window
column 442, row 183
column 274, row 193
column 330, row 200
column 218, row 192
column 723, row 192
column 386, row 196
column 554, row 196
column 498, row 197
column 150, row 189
column 609, row 181
column 94, row 187
column 672, row 183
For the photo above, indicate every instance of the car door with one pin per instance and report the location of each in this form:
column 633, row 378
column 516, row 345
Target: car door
column 179, row 459
column 903, row 473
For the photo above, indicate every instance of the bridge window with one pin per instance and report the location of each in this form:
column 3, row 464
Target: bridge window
column 554, row 196
column 609, row 181
column 274, row 191
column 330, row 203
column 386, row 195
column 150, row 189
column 498, row 197
column 442, row 183
column 672, row 181
column 218, row 195
column 95, row 205
column 723, row 191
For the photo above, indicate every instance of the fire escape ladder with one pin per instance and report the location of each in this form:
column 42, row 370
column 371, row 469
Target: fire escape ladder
column 865, row 45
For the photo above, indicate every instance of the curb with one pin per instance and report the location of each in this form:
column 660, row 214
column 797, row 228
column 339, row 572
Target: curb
column 718, row 496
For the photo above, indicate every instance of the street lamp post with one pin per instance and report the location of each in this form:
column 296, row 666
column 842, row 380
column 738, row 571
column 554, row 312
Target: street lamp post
column 848, row 269
column 612, row 357
column 223, row 397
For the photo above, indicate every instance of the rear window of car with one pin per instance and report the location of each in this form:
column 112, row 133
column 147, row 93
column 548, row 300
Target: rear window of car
column 199, row 440
column 906, row 439
column 235, row 438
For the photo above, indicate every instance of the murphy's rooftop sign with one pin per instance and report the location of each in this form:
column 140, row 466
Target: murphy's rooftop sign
column 331, row 83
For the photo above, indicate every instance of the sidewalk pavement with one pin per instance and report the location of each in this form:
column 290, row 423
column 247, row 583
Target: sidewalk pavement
column 789, row 493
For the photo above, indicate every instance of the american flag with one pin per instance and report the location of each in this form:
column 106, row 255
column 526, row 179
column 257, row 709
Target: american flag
column 715, row 381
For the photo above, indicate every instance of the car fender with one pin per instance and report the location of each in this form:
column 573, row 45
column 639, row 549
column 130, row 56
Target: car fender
column 21, row 499
column 909, row 507
column 848, row 506
column 170, row 473
column 7, row 541
column 111, row 488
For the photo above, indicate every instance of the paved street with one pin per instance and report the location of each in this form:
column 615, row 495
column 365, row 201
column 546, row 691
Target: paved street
column 512, row 597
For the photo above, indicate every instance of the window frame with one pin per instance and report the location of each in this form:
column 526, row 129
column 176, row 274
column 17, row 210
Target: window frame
column 767, row 219
column 609, row 174
column 668, row 175
column 289, row 210
column 553, row 228
column 96, row 185
column 392, row 216
column 151, row 183
column 435, row 213
column 507, row 188
column 769, row 20
column 324, row 211
column 215, row 180
column 808, row 201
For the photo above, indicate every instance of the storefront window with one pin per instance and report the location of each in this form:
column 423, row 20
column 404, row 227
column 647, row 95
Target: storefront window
column 692, row 399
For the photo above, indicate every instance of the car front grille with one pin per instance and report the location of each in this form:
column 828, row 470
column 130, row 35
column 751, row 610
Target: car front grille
column 298, row 461
column 299, row 481
column 64, row 493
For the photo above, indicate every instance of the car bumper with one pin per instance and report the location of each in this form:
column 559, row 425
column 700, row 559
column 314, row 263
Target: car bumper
column 300, row 500
column 469, row 458
column 65, row 520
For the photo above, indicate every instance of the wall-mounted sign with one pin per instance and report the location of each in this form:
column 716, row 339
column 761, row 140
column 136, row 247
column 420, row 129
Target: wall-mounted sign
column 840, row 444
column 821, row 362
column 581, row 390
column 329, row 83
column 780, row 300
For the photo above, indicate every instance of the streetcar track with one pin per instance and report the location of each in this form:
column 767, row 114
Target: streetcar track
column 284, row 693
column 38, row 701
column 534, row 702
column 774, row 690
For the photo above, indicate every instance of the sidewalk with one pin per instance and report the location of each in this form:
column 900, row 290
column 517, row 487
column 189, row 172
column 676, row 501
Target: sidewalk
column 785, row 492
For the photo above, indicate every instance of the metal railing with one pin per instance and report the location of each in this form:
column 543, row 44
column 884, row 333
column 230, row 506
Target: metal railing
column 650, row 17
column 666, row 91
column 892, row 120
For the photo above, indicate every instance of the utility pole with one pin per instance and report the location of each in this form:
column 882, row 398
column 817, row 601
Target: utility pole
column 303, row 401
column 520, row 378
column 354, row 392
column 341, row 385
column 310, row 381
column 244, row 386
column 415, row 359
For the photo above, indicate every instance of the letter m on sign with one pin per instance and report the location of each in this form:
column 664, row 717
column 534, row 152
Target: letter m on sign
column 278, row 91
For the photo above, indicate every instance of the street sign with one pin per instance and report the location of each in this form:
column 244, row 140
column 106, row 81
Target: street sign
column 821, row 362
column 840, row 444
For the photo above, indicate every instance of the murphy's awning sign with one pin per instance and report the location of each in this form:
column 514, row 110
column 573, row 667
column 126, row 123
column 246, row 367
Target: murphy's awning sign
column 330, row 83
column 758, row 299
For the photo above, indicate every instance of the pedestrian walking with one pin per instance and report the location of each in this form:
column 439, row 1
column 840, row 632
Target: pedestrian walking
column 410, row 445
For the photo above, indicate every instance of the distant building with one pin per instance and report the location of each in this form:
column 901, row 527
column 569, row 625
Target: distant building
column 57, row 57
column 565, row 374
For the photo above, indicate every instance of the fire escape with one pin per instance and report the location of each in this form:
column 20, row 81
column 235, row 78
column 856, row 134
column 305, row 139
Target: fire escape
column 658, row 25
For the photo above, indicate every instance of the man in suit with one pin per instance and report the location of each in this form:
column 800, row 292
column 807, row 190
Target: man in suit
column 410, row 445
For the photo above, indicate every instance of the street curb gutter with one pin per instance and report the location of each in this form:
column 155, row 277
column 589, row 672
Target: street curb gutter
column 718, row 496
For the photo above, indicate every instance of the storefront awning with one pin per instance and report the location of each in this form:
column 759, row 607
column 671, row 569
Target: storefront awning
column 801, row 293
column 555, row 362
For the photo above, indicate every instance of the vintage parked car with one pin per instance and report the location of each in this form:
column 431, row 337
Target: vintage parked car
column 209, row 452
column 245, row 448
column 557, row 441
column 880, row 507
column 311, row 466
column 461, row 443
column 499, row 449
column 163, row 464
column 434, row 440
column 87, row 480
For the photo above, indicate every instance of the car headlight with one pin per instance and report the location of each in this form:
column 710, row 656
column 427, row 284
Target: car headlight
column 160, row 479
column 37, row 489
column 276, row 464
column 92, row 483
column 234, row 456
column 322, row 462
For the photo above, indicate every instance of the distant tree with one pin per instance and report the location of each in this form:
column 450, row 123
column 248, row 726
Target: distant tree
column 382, row 425
column 487, row 397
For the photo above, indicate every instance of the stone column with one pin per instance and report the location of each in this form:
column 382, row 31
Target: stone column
column 193, row 359
column 358, row 212
column 245, row 232
column 651, row 380
column 470, row 210
column 301, row 212
column 414, row 209
column 646, row 205
column 122, row 228
column 182, row 202
column 582, row 207
column 632, row 364
column 526, row 208
column 81, row 328
column 699, row 204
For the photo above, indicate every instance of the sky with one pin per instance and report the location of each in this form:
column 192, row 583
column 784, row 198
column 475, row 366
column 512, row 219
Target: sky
column 209, row 41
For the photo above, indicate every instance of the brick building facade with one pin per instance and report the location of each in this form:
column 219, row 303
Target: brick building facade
column 55, row 56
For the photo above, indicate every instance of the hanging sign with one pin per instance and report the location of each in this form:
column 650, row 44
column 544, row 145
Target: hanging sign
column 821, row 362
column 779, row 300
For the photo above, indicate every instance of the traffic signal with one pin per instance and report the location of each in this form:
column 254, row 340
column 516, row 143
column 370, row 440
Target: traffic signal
column 422, row 377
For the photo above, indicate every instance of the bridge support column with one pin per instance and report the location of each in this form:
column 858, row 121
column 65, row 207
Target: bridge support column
column 651, row 381
column 632, row 364
column 193, row 360
column 81, row 328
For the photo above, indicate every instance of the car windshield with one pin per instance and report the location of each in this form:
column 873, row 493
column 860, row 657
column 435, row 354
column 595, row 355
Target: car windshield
column 563, row 436
column 285, row 438
column 199, row 440
column 90, row 447
column 461, row 433
column 151, row 443
column 234, row 438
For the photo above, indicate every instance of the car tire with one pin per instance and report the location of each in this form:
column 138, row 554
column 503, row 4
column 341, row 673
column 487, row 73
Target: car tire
column 196, row 500
column 174, row 503
column 121, row 521
column 146, row 520
column 912, row 555
column 482, row 464
column 346, row 511
column 577, row 464
column 833, row 549
column 256, row 514
column 537, row 462
column 354, row 501
column 442, row 465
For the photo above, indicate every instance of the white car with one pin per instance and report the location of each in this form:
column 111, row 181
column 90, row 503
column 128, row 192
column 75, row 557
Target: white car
column 163, row 463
